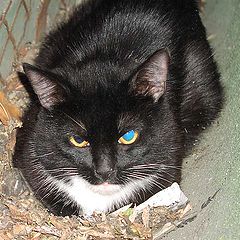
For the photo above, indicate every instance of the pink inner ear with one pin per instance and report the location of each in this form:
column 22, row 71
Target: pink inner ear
column 151, row 79
column 48, row 91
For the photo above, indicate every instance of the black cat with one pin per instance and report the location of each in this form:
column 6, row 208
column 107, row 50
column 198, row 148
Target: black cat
column 124, row 89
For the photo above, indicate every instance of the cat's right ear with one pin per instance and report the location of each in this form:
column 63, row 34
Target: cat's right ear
column 150, row 79
column 49, row 92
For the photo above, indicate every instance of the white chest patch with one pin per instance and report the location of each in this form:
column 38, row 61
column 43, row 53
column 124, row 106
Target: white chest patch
column 99, row 197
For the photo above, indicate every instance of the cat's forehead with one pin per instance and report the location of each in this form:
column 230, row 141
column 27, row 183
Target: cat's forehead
column 96, row 119
column 107, row 110
column 103, row 102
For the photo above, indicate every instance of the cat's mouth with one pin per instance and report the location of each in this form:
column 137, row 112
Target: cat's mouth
column 106, row 188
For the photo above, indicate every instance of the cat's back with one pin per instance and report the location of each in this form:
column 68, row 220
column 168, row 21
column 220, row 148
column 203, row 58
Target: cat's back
column 119, row 31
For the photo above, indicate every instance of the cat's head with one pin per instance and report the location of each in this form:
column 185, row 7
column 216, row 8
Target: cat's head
column 110, row 133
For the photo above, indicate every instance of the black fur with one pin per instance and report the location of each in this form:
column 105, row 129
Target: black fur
column 116, row 66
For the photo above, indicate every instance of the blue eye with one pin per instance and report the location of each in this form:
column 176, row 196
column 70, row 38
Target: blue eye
column 129, row 137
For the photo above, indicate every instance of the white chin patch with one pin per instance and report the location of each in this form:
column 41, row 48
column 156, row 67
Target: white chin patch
column 101, row 197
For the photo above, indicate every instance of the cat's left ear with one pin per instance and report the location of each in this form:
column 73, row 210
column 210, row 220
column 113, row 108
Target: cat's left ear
column 150, row 80
column 50, row 93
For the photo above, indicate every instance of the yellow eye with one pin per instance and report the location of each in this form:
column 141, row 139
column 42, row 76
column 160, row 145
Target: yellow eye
column 128, row 138
column 78, row 142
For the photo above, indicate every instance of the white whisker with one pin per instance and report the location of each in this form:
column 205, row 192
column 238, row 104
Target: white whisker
column 78, row 123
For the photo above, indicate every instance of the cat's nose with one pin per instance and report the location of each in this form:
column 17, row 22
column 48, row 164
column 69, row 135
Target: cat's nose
column 105, row 174
column 104, row 164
